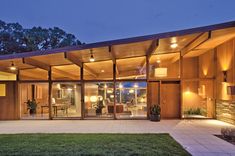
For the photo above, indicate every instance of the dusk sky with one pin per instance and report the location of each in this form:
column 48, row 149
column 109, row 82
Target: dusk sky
column 100, row 20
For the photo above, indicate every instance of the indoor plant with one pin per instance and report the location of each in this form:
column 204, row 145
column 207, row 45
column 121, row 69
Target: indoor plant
column 32, row 106
column 155, row 113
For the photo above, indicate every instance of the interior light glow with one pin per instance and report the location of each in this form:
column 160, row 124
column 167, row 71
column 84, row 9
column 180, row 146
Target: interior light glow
column 174, row 45
column 13, row 67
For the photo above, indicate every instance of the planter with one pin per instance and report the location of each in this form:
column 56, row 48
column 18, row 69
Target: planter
column 155, row 117
column 32, row 111
column 99, row 111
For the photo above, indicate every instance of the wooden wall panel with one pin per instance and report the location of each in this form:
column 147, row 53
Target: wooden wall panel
column 206, row 65
column 190, row 67
column 8, row 104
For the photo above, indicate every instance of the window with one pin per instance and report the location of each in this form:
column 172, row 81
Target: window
column 2, row 89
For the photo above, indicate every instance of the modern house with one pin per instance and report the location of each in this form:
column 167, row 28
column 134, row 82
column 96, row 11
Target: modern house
column 190, row 73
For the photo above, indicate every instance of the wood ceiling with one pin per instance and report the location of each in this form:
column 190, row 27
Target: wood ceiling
column 130, row 58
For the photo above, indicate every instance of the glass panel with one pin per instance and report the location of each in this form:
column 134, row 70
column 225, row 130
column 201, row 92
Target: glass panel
column 7, row 76
column 33, row 74
column 34, row 101
column 102, row 70
column 67, row 72
column 131, row 68
column 66, row 100
column 99, row 100
column 2, row 89
column 165, row 66
column 131, row 100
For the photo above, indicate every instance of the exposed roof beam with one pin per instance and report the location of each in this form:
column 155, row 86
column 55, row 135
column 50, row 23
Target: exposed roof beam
column 36, row 63
column 112, row 54
column 143, row 66
column 73, row 59
column 64, row 73
column 196, row 42
column 154, row 45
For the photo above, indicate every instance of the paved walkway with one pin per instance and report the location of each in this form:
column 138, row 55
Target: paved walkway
column 196, row 136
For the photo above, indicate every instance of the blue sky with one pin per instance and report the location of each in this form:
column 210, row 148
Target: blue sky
column 100, row 20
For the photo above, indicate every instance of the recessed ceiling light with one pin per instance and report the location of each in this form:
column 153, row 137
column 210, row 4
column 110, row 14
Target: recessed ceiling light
column 102, row 71
column 174, row 45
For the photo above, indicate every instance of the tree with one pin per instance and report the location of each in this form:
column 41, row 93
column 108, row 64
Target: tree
column 15, row 39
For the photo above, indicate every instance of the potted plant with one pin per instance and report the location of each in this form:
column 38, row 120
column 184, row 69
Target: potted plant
column 155, row 113
column 99, row 107
column 32, row 106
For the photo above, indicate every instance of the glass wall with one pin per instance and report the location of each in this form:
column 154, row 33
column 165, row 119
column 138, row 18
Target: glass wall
column 99, row 100
column 66, row 100
column 131, row 100
column 34, row 101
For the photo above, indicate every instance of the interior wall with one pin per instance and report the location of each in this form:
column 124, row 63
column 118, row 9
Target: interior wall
column 9, row 109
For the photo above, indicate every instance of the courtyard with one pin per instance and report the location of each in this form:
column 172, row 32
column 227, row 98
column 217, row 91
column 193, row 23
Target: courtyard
column 195, row 136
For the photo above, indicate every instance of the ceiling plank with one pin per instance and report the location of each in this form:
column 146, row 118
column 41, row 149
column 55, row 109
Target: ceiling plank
column 174, row 59
column 36, row 63
column 64, row 73
column 196, row 42
column 72, row 58
column 90, row 71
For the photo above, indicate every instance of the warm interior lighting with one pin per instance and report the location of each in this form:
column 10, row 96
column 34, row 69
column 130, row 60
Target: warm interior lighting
column 187, row 91
column 109, row 91
column 69, row 89
column 136, row 86
column 92, row 59
column 120, row 85
column 102, row 71
column 158, row 61
column 105, row 86
column 13, row 67
column 93, row 99
column 112, row 96
column 131, row 91
column 160, row 72
column 174, row 45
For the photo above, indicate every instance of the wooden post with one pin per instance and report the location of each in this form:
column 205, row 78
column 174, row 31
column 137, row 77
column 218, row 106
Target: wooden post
column 17, row 99
column 82, row 92
column 49, row 93
column 114, row 89
column 181, row 85
column 147, row 79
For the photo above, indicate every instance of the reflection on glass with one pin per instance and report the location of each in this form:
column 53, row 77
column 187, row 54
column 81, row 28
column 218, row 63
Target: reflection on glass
column 99, row 100
column 66, row 100
column 131, row 100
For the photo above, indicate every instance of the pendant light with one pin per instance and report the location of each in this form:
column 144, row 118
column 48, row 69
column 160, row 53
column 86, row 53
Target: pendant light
column 92, row 59
column 13, row 67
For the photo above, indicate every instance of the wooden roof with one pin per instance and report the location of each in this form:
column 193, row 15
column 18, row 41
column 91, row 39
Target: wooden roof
column 129, row 54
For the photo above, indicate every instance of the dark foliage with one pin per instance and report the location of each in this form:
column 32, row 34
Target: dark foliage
column 15, row 39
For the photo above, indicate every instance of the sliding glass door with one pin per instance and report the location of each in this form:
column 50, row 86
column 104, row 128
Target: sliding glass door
column 66, row 100
column 99, row 100
column 131, row 100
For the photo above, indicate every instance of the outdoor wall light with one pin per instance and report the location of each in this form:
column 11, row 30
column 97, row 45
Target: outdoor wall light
column 92, row 59
column 13, row 67
column 158, row 61
column 225, row 76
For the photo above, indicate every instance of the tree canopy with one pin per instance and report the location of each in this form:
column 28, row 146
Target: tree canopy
column 16, row 39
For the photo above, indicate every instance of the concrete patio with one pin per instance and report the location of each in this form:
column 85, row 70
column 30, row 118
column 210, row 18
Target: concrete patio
column 196, row 136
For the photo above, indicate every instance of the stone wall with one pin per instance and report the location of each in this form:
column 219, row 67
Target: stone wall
column 225, row 111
